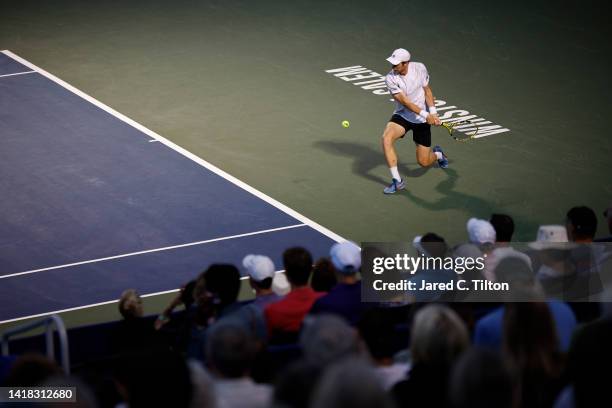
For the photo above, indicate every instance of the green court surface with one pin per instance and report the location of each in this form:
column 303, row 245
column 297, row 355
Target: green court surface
column 244, row 85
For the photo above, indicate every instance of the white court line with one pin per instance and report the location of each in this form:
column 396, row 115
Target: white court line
column 148, row 251
column 180, row 150
column 108, row 302
column 17, row 73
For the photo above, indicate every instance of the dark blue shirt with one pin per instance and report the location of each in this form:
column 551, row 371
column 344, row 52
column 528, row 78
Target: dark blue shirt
column 343, row 300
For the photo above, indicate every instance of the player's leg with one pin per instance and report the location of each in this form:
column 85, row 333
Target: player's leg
column 393, row 131
column 425, row 155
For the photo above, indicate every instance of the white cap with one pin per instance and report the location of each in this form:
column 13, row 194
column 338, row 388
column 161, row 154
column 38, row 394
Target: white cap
column 480, row 231
column 259, row 267
column 551, row 237
column 346, row 257
column 399, row 55
column 280, row 284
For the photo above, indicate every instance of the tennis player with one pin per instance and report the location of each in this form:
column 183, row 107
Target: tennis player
column 408, row 82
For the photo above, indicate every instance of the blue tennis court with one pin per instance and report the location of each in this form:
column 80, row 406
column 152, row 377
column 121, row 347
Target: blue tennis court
column 94, row 203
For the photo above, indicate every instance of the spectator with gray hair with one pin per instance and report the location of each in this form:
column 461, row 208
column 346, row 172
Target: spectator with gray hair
column 351, row 383
column 439, row 337
column 134, row 332
column 230, row 353
column 328, row 338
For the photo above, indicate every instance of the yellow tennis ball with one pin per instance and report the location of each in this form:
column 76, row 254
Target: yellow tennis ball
column 345, row 123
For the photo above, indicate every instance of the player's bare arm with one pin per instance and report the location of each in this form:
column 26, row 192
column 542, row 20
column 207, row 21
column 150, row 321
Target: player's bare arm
column 429, row 100
column 401, row 98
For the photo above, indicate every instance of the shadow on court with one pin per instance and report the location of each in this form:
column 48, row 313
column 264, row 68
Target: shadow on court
column 472, row 205
column 366, row 159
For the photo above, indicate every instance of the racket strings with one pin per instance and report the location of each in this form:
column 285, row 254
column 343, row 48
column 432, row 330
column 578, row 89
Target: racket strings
column 466, row 126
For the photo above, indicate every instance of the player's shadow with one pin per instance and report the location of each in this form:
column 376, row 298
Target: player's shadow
column 366, row 159
column 472, row 205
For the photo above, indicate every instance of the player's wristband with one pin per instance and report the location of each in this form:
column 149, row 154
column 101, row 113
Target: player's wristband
column 432, row 110
column 424, row 113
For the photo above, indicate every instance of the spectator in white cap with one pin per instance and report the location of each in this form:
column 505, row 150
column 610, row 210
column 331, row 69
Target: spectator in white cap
column 553, row 250
column 480, row 232
column 558, row 273
column 344, row 299
column 261, row 272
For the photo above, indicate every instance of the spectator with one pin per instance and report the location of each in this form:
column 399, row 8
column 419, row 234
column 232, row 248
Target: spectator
column 130, row 305
column 430, row 246
column 377, row 330
column 438, row 339
column 531, row 346
column 345, row 298
column 183, row 297
column 31, row 370
column 326, row 339
column 221, row 283
column 294, row 388
column 230, row 352
column 284, row 318
column 581, row 224
column 504, row 229
column 350, row 384
column 564, row 271
column 134, row 332
column 590, row 356
column 154, row 379
column 489, row 329
column 482, row 379
column 215, row 295
column 261, row 272
column 481, row 233
column 323, row 276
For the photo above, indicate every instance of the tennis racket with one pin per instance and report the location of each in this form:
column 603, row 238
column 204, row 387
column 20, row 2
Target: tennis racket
column 468, row 127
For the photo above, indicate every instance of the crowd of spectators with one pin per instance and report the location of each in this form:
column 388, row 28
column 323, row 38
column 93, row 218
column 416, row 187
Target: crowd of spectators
column 309, row 340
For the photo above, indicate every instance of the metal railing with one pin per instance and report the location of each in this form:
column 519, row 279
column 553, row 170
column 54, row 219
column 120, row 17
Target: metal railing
column 49, row 323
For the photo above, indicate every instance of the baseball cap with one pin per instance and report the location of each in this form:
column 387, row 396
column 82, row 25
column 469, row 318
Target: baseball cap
column 259, row 267
column 346, row 257
column 399, row 55
column 480, row 231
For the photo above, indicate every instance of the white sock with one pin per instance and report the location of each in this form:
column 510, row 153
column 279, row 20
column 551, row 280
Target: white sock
column 395, row 173
column 438, row 155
